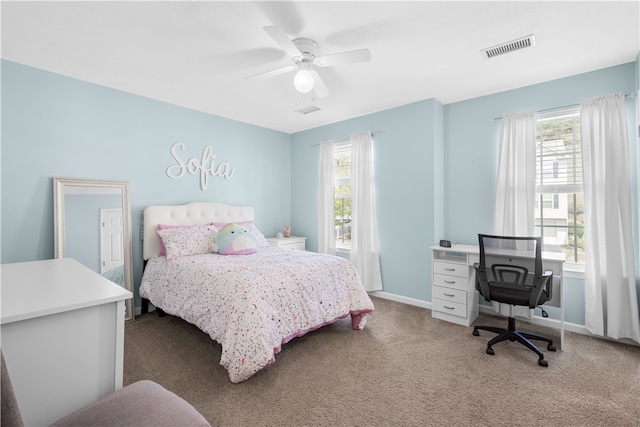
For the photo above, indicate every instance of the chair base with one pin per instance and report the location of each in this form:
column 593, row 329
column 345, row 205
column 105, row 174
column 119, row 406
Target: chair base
column 512, row 334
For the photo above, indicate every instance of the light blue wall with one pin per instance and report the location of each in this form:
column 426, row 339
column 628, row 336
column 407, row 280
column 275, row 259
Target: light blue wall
column 435, row 170
column 58, row 126
column 405, row 160
column 471, row 141
column 471, row 152
column 434, row 165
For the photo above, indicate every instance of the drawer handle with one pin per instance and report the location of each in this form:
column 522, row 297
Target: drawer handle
column 449, row 295
column 449, row 308
column 450, row 269
column 450, row 281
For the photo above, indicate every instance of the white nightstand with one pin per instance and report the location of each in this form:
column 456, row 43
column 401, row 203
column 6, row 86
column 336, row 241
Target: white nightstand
column 293, row 242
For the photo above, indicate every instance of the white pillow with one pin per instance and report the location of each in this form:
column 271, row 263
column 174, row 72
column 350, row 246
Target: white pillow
column 188, row 240
column 253, row 229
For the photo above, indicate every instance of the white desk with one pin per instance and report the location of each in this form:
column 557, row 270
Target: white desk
column 453, row 293
column 62, row 336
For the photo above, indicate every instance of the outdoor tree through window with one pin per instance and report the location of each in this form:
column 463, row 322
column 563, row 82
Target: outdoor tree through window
column 342, row 195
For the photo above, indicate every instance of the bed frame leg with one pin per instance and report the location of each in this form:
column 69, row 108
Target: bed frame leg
column 145, row 308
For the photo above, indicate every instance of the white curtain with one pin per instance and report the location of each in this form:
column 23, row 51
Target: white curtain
column 516, row 184
column 326, row 220
column 364, row 241
column 611, row 305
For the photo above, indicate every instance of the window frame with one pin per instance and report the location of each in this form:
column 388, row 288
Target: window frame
column 340, row 148
column 570, row 189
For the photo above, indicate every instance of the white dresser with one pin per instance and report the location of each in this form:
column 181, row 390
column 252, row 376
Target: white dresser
column 293, row 242
column 62, row 336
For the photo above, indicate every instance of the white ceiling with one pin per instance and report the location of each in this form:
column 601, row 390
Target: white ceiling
column 198, row 54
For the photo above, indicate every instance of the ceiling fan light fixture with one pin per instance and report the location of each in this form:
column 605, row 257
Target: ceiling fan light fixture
column 303, row 81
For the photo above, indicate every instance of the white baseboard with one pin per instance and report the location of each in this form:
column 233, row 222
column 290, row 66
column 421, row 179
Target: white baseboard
column 400, row 298
column 538, row 320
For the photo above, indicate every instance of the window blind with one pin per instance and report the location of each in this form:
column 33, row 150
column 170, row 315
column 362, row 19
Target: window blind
column 559, row 155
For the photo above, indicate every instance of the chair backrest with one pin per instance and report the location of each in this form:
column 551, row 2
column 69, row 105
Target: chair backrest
column 504, row 246
column 503, row 271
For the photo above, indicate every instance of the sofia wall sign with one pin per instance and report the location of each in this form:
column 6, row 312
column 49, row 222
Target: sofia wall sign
column 206, row 166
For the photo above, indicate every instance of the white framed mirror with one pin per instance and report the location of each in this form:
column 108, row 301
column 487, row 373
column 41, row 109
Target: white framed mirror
column 92, row 224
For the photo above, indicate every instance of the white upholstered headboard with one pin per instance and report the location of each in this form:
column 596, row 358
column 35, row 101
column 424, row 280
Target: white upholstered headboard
column 190, row 214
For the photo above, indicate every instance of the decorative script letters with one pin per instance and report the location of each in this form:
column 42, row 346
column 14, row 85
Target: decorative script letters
column 206, row 165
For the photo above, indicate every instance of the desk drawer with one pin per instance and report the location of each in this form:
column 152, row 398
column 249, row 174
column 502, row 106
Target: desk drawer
column 448, row 268
column 449, row 307
column 450, row 281
column 450, row 294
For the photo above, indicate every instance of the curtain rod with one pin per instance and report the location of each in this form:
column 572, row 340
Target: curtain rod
column 337, row 141
column 627, row 95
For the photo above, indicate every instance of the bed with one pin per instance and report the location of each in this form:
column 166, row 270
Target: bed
column 250, row 304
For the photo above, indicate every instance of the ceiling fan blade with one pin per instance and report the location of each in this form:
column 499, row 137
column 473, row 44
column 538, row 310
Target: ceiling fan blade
column 318, row 85
column 272, row 73
column 283, row 41
column 360, row 55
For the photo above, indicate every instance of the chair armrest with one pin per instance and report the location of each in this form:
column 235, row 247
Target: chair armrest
column 482, row 284
column 541, row 284
column 11, row 415
column 141, row 403
column 549, row 284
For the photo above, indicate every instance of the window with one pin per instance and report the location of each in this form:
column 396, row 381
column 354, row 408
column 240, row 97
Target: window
column 559, row 216
column 342, row 195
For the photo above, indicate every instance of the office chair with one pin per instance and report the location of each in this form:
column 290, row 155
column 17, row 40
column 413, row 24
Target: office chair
column 501, row 277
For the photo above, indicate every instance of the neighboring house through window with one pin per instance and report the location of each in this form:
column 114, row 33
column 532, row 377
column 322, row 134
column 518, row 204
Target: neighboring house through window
column 559, row 216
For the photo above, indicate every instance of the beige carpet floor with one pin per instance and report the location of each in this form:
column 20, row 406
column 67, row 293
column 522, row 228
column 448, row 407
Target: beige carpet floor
column 404, row 369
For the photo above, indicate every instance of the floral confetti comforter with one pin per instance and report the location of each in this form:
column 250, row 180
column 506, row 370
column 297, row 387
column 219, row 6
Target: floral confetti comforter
column 252, row 304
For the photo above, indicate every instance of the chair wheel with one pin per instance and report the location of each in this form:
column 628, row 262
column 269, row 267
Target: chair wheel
column 490, row 351
column 543, row 362
column 551, row 347
column 476, row 333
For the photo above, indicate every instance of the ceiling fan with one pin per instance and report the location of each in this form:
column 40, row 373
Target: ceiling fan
column 303, row 54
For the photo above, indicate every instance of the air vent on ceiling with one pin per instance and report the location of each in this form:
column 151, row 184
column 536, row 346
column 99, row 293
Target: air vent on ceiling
column 517, row 44
column 307, row 109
